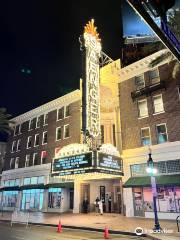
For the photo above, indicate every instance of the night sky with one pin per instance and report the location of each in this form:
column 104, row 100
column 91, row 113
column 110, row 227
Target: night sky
column 40, row 58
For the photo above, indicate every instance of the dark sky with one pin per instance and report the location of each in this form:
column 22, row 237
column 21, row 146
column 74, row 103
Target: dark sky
column 43, row 36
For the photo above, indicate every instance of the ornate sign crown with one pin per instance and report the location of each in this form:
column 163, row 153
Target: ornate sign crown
column 91, row 29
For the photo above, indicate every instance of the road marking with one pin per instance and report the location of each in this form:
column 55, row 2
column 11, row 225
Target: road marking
column 22, row 238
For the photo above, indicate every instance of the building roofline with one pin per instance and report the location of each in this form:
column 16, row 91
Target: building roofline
column 50, row 106
column 140, row 66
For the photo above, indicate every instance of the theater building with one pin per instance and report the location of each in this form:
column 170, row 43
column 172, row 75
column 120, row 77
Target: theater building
column 49, row 167
column 150, row 116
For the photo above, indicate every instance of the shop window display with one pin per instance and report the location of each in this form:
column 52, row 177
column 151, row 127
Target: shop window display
column 168, row 199
column 10, row 198
column 32, row 199
column 54, row 198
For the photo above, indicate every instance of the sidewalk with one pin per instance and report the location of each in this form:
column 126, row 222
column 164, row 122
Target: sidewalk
column 115, row 222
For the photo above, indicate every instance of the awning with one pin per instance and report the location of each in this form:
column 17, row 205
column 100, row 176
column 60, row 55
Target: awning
column 60, row 185
column 164, row 180
column 9, row 188
column 32, row 186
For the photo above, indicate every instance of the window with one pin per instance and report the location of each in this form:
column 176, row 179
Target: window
column 145, row 136
column 44, row 140
column 29, row 142
column 16, row 162
column 44, row 157
column 17, row 182
column 17, row 130
column 67, row 111
column 158, row 104
column 13, row 146
column 10, row 198
column 34, row 180
column 12, row 163
column 35, row 159
column 40, row 179
column 154, row 76
column 60, row 113
column 30, row 124
column 38, row 122
column 102, row 134
column 36, row 141
column 114, row 134
column 143, row 110
column 27, row 160
column 58, row 133
column 27, row 181
column 139, row 81
column 161, row 133
column 46, row 119
column 66, row 131
column 54, row 198
column 32, row 199
column 18, row 145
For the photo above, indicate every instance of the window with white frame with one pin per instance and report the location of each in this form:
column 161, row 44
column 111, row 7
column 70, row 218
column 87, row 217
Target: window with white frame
column 58, row 133
column 158, row 104
column 36, row 140
column 11, row 163
column 29, row 142
column 27, row 162
column 139, row 81
column 13, row 148
column 16, row 162
column 17, row 130
column 66, row 131
column 35, row 158
column 161, row 133
column 32, row 124
column 44, row 139
column 143, row 109
column 44, row 157
column 46, row 119
column 67, row 111
column 154, row 76
column 18, row 145
column 38, row 122
column 60, row 113
column 145, row 136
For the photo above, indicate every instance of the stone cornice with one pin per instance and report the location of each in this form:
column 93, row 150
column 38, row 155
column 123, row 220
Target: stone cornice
column 50, row 106
column 139, row 67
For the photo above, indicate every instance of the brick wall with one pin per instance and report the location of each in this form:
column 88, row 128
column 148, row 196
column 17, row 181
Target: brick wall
column 131, row 125
column 73, row 120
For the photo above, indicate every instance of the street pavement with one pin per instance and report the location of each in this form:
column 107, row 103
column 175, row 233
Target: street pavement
column 113, row 221
column 20, row 232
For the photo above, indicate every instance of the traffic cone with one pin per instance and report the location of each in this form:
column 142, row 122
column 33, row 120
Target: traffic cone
column 106, row 233
column 59, row 229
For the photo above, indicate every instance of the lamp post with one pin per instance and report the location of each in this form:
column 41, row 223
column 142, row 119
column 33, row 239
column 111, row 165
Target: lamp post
column 151, row 170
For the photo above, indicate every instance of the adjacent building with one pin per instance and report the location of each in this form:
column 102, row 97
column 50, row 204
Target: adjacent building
column 150, row 118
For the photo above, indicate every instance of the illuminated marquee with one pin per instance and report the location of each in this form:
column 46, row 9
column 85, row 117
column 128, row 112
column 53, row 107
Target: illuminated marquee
column 91, row 87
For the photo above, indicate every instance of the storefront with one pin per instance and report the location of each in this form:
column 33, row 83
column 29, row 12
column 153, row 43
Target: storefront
column 95, row 174
column 168, row 198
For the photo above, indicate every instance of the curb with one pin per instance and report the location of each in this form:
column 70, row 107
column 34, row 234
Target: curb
column 89, row 229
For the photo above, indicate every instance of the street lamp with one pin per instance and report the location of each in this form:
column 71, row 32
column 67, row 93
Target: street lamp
column 151, row 170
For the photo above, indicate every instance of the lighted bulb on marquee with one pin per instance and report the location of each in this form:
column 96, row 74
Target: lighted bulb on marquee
column 91, row 82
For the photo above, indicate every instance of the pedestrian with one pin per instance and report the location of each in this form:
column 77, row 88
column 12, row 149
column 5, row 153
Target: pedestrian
column 96, row 203
column 85, row 205
column 101, row 206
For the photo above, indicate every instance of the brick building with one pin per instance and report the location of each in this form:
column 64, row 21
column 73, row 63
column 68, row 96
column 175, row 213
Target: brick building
column 150, row 116
column 44, row 133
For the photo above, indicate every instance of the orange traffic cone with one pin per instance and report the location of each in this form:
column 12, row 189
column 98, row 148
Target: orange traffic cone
column 59, row 229
column 106, row 233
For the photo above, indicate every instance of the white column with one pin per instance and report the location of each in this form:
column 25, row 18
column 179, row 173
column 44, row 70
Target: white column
column 45, row 201
column 128, row 201
column 77, row 196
